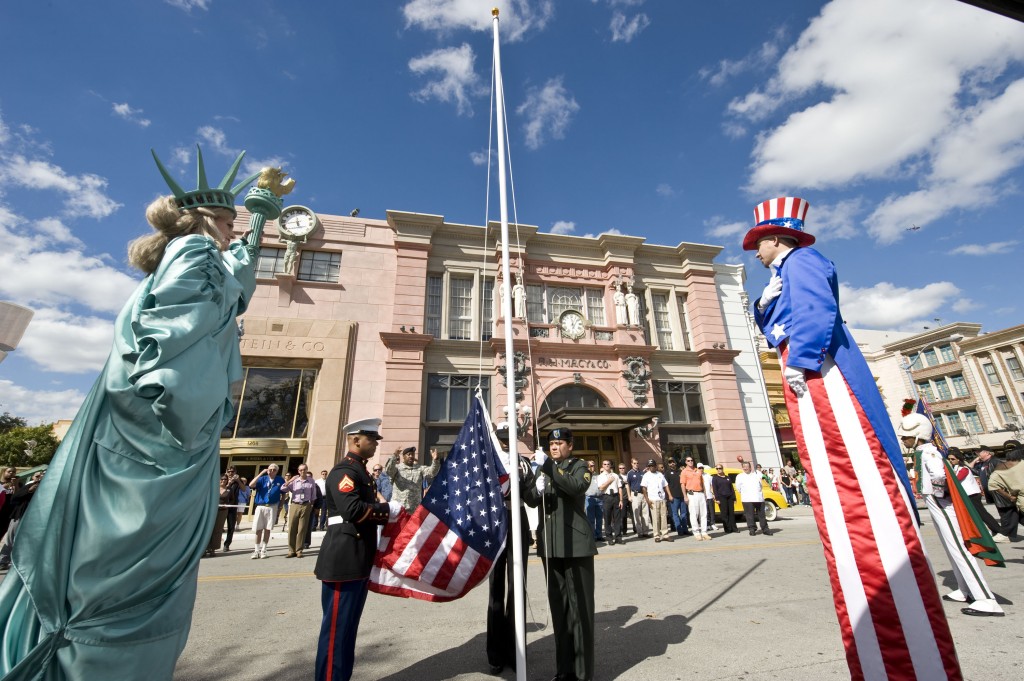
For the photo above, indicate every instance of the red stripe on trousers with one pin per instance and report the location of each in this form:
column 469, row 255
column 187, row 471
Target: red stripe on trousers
column 336, row 599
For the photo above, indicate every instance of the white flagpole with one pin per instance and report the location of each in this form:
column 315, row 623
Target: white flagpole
column 513, row 426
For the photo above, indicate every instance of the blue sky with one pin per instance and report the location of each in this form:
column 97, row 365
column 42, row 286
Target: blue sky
column 658, row 118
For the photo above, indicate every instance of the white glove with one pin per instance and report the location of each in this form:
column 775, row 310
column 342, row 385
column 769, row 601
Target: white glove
column 771, row 292
column 796, row 380
column 394, row 509
column 542, row 483
column 539, row 457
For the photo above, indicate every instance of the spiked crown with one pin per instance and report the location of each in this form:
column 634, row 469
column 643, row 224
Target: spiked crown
column 221, row 196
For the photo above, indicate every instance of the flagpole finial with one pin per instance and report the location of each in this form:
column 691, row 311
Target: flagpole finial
column 494, row 12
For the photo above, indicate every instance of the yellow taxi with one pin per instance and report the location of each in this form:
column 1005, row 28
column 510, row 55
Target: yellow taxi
column 773, row 500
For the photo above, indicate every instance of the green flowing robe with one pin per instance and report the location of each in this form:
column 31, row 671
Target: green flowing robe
column 104, row 568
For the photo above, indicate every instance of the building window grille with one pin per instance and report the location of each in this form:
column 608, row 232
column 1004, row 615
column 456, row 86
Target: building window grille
column 681, row 298
column 319, row 266
column 990, row 373
column 943, row 389
column 940, row 425
column 679, row 402
column 460, row 308
column 435, row 286
column 535, row 303
column 973, row 421
column 644, row 324
column 449, row 396
column 1005, row 408
column 925, row 390
column 595, row 306
column 930, row 358
column 946, row 352
column 487, row 310
column 955, row 424
column 1015, row 370
column 271, row 262
column 661, row 320
column 561, row 299
column 960, row 385
column 272, row 403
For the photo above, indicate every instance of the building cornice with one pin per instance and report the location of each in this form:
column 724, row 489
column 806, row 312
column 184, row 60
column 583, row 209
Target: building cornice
column 1013, row 334
column 913, row 343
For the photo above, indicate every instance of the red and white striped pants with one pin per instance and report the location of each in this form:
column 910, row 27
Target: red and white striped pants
column 889, row 610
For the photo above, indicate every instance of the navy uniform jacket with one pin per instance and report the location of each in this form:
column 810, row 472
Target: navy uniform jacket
column 564, row 526
column 349, row 547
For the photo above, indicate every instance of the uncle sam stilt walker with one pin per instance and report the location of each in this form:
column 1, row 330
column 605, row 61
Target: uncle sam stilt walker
column 890, row 614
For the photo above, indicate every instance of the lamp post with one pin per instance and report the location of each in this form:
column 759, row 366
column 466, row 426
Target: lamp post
column 14, row 319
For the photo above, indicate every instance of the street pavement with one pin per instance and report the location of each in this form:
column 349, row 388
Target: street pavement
column 737, row 607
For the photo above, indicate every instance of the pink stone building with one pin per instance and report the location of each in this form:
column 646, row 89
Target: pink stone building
column 399, row 319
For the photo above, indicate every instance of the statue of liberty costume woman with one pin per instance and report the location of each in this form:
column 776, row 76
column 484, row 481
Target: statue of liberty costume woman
column 104, row 572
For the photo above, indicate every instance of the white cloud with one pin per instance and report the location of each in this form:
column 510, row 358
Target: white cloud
column 84, row 194
column 39, row 406
column 548, row 111
column 563, row 227
column 720, row 228
column 664, row 189
column 126, row 112
column 216, row 139
column 458, row 81
column 965, row 305
column 251, row 166
column 726, row 69
column 34, row 252
column 188, row 5
column 5, row 134
column 915, row 96
column 886, row 306
column 610, row 232
column 994, row 248
column 518, row 17
column 63, row 342
column 479, row 158
column 624, row 30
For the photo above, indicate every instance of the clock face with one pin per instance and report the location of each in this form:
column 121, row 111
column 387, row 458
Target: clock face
column 298, row 221
column 572, row 324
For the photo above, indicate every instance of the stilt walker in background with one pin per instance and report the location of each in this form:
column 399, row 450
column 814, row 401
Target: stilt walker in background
column 105, row 567
column 890, row 614
column 960, row 530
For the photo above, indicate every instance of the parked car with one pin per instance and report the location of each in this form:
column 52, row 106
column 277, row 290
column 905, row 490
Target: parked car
column 773, row 500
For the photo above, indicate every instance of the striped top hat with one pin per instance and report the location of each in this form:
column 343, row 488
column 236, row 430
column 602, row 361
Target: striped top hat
column 783, row 216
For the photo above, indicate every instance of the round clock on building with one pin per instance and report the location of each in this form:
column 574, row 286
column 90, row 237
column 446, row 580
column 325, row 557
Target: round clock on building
column 298, row 221
column 572, row 324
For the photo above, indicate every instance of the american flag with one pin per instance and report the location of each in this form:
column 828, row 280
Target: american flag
column 448, row 544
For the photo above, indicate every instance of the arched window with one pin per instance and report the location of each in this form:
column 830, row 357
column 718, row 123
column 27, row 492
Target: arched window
column 573, row 397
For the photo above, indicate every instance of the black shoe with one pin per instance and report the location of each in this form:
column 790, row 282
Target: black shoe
column 981, row 613
column 767, row 533
column 753, row 532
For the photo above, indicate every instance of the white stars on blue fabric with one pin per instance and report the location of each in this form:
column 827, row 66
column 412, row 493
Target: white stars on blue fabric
column 778, row 331
column 465, row 489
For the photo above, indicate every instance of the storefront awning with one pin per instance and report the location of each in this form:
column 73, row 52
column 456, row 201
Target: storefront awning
column 600, row 419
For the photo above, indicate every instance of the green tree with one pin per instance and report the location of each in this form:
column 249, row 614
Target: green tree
column 15, row 436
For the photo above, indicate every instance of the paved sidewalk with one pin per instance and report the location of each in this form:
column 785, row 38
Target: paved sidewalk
column 737, row 607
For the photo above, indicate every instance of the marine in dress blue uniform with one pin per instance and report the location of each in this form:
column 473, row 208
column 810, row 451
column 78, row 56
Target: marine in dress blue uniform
column 346, row 555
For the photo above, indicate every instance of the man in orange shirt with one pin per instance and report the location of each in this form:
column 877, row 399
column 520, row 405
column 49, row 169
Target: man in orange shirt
column 692, row 480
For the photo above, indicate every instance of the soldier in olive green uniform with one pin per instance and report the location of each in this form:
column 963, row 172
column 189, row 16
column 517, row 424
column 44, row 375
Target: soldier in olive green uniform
column 566, row 545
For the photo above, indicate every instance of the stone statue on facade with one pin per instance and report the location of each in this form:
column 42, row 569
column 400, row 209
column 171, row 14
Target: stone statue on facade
column 619, row 298
column 632, row 306
column 519, row 298
column 291, row 253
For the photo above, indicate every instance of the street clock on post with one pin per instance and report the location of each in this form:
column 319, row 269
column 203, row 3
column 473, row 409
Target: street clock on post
column 296, row 224
column 572, row 324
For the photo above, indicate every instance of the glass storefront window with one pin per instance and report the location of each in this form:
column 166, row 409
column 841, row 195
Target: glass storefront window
column 273, row 403
column 679, row 402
